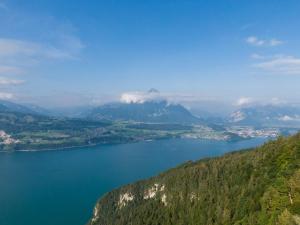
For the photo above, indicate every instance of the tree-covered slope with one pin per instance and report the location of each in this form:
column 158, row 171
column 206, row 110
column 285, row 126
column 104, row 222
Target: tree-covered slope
column 259, row 186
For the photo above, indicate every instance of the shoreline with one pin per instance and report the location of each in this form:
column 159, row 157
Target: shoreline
column 46, row 149
column 118, row 143
column 103, row 144
column 73, row 147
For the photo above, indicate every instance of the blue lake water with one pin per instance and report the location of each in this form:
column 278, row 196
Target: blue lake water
column 62, row 187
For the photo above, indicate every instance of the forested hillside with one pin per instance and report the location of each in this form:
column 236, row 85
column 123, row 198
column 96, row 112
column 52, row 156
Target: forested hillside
column 258, row 186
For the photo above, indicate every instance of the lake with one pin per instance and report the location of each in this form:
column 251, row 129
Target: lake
column 62, row 187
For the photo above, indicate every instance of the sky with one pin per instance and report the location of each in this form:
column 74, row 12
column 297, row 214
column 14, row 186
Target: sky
column 67, row 53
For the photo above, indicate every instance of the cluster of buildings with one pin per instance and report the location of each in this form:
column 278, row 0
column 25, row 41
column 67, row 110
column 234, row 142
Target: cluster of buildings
column 250, row 132
column 6, row 139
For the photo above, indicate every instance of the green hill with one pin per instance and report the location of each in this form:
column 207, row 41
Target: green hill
column 258, row 186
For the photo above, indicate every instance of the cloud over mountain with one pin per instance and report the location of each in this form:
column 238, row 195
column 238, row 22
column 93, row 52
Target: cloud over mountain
column 242, row 101
column 141, row 97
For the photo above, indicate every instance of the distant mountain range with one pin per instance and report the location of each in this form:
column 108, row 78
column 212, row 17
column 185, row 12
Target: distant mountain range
column 6, row 106
column 149, row 111
column 266, row 115
column 32, row 127
column 160, row 111
column 71, row 112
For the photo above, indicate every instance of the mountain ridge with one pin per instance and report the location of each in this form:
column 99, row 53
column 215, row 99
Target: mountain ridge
column 149, row 111
column 266, row 115
column 8, row 106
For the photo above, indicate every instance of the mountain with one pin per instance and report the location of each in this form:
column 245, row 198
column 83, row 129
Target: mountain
column 29, row 131
column 6, row 106
column 267, row 115
column 149, row 111
column 19, row 131
column 40, row 110
column 258, row 187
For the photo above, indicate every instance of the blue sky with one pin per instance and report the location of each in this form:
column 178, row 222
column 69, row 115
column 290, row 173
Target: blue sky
column 62, row 52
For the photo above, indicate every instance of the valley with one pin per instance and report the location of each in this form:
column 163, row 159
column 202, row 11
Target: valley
column 23, row 129
column 44, row 133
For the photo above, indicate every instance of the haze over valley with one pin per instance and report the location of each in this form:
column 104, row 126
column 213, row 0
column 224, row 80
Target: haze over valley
column 137, row 118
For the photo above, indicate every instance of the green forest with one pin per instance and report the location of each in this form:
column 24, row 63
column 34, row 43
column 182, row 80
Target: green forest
column 254, row 186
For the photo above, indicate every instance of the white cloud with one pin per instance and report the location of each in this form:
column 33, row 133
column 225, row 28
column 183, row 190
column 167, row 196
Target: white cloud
column 257, row 56
column 10, row 70
column 248, row 101
column 7, row 81
column 140, row 97
column 275, row 42
column 276, row 101
column 133, row 97
column 11, row 47
column 286, row 65
column 28, row 49
column 6, row 96
column 289, row 118
column 255, row 41
column 173, row 98
column 242, row 101
column 17, row 55
column 45, row 38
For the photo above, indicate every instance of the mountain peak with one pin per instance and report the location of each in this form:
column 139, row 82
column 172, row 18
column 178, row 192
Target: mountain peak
column 153, row 90
column 144, row 111
column 267, row 115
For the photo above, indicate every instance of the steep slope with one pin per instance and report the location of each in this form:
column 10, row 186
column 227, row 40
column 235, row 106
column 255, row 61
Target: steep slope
column 150, row 111
column 259, row 186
